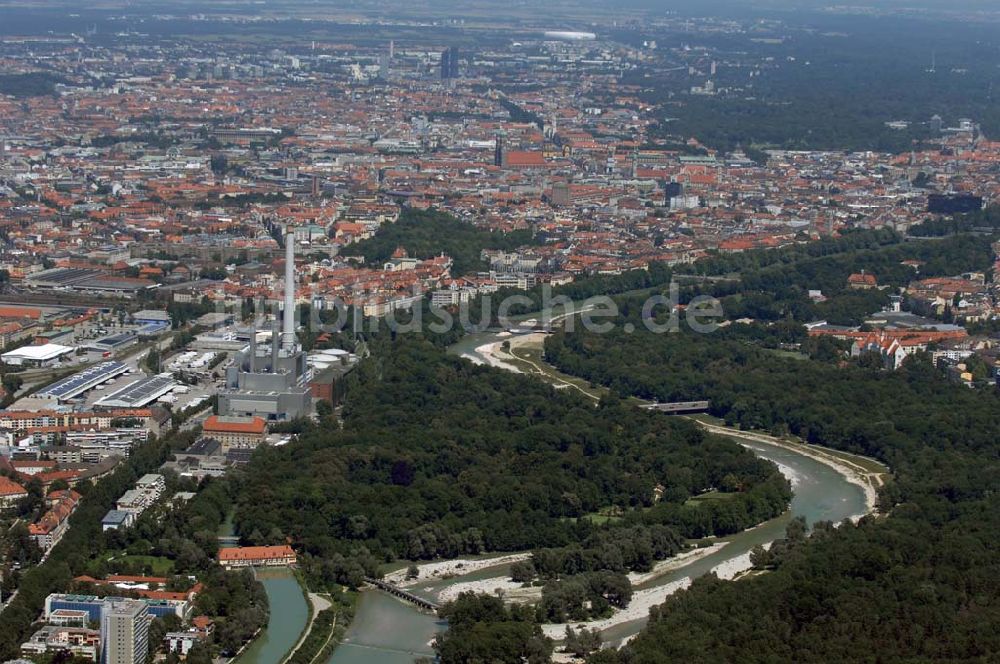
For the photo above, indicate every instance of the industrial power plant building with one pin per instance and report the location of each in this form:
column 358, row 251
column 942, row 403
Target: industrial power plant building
column 271, row 383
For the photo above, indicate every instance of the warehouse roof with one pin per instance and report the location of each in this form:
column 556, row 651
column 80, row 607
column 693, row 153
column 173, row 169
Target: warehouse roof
column 39, row 353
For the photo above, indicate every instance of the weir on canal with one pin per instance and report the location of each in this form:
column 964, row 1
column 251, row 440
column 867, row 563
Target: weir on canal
column 420, row 602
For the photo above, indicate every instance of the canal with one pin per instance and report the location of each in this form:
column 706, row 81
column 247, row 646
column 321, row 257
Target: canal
column 287, row 619
column 288, row 610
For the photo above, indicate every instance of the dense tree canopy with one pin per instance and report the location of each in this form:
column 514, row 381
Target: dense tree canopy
column 987, row 220
column 32, row 84
column 919, row 583
column 836, row 82
column 777, row 287
column 482, row 629
column 426, row 234
column 440, row 458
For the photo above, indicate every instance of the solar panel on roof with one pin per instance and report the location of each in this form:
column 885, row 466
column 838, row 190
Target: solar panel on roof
column 139, row 393
column 84, row 380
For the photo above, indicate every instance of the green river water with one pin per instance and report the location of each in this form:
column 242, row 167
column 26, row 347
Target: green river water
column 289, row 614
column 288, row 611
column 387, row 631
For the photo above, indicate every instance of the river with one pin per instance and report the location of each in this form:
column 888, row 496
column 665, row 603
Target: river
column 387, row 631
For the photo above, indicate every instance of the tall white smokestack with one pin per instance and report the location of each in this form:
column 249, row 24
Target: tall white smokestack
column 288, row 336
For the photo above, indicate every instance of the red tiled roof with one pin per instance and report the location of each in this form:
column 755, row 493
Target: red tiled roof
column 9, row 487
column 255, row 425
column 256, row 553
column 867, row 279
column 20, row 312
column 518, row 158
column 151, row 580
column 201, row 622
column 33, row 464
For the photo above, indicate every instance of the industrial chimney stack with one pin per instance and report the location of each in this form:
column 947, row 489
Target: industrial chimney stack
column 288, row 336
